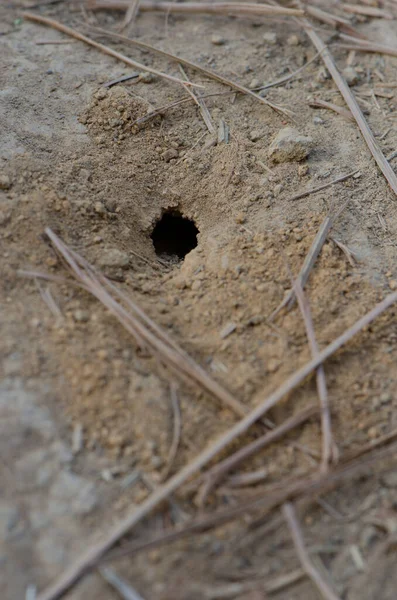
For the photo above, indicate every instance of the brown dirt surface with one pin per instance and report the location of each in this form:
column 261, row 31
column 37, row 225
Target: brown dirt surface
column 73, row 158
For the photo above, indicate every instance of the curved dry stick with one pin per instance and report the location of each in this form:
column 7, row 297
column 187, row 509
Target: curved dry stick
column 79, row 36
column 196, row 67
column 217, row 8
column 329, row 450
column 351, row 102
column 212, row 477
column 93, row 554
column 303, row 555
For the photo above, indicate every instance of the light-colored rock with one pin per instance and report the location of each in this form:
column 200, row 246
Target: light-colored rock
column 270, row 38
column 114, row 258
column 5, row 182
column 217, row 40
column 289, row 145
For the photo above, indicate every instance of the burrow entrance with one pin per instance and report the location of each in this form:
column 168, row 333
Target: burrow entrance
column 174, row 235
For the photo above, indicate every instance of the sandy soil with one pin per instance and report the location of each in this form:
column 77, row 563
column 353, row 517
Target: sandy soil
column 73, row 158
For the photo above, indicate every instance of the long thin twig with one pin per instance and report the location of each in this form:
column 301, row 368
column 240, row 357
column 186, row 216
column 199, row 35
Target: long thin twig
column 214, row 475
column 200, row 103
column 79, row 36
column 297, row 537
column 125, row 590
column 176, row 436
column 308, row 263
column 343, row 112
column 187, row 63
column 76, row 569
column 323, row 186
column 353, row 105
column 218, row 8
column 328, row 447
column 367, row 11
column 305, row 489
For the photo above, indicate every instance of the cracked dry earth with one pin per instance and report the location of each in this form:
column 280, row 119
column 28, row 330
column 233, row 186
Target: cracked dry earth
column 85, row 417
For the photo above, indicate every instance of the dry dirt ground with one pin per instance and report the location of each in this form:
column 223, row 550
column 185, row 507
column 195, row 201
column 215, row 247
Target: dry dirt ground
column 72, row 159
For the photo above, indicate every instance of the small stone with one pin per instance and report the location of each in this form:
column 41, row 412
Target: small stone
column 170, row 154
column 318, row 121
column 390, row 479
column 270, row 38
column 81, row 316
column 146, row 77
column 99, row 208
column 227, row 330
column 278, row 189
column 293, row 40
column 289, row 145
column 240, row 218
column 217, row 40
column 5, row 182
column 254, row 84
column 393, row 284
column 255, row 135
column 351, row 76
column 303, row 170
column 196, row 285
column 101, row 94
column 115, row 258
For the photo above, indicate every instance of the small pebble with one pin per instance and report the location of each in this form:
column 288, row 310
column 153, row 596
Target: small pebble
column 170, row 154
column 254, row 84
column 393, row 284
column 146, row 77
column 293, row 40
column 289, row 145
column 227, row 330
column 101, row 93
column 240, row 218
column 81, row 316
column 278, row 189
column 270, row 38
column 255, row 135
column 217, row 40
column 5, row 182
column 318, row 121
column 99, row 208
column 113, row 257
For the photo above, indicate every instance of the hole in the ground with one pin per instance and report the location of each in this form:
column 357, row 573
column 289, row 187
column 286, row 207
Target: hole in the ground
column 174, row 235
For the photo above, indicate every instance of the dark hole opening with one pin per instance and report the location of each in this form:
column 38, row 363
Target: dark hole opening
column 174, row 236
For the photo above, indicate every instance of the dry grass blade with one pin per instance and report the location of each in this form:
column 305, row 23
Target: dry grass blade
column 367, row 11
column 289, row 76
column 352, row 104
column 297, row 537
column 196, row 67
column 367, row 46
column 215, row 475
column 332, row 20
column 343, row 112
column 323, row 187
column 124, row 589
column 306, row 488
column 130, row 15
column 101, row 47
column 329, row 450
column 308, row 263
column 217, row 8
column 200, row 103
column 94, row 553
column 176, row 411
